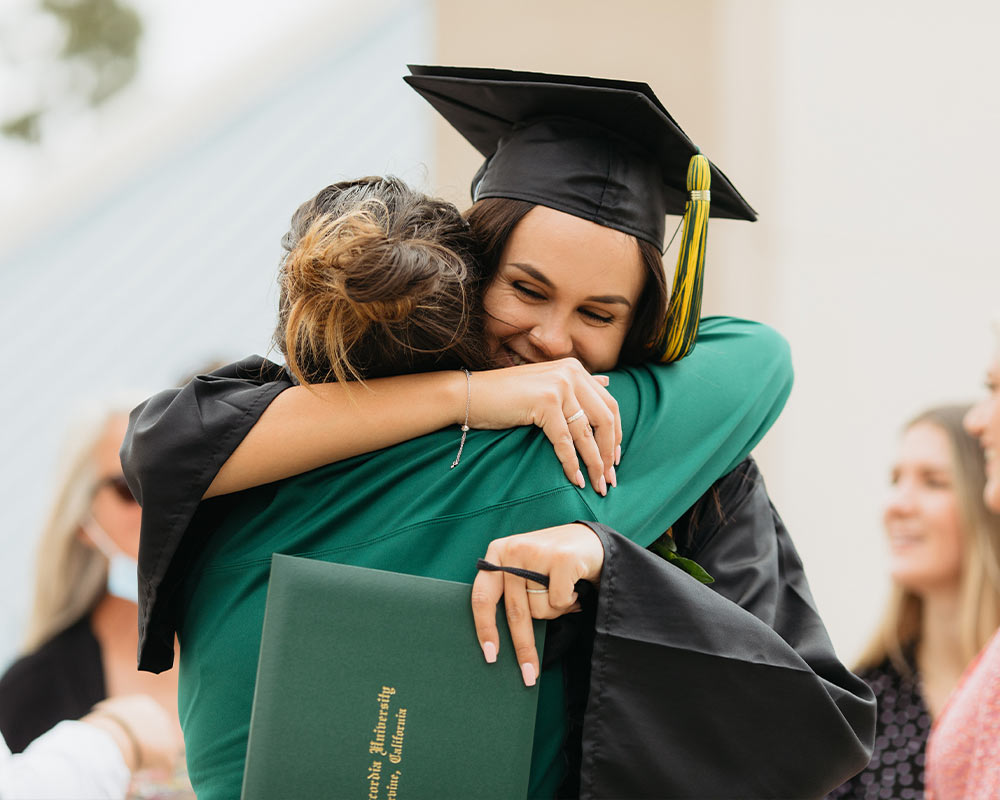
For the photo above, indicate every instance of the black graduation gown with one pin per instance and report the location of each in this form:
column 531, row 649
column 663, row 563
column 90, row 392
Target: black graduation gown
column 741, row 696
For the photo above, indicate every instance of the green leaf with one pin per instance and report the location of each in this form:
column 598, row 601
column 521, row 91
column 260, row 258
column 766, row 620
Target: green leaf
column 691, row 567
column 665, row 544
column 666, row 548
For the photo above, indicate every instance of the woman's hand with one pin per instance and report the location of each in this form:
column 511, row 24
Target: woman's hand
column 566, row 553
column 549, row 394
column 143, row 731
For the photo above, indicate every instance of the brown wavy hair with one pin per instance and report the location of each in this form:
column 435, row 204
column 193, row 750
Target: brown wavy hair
column 378, row 279
column 492, row 221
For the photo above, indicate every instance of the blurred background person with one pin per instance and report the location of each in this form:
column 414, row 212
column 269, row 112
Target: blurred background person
column 82, row 634
column 963, row 755
column 95, row 757
column 944, row 546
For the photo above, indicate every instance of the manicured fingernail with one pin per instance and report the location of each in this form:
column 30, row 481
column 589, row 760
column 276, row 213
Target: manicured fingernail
column 614, row 477
column 579, row 479
column 528, row 673
column 618, row 455
column 602, row 487
column 490, row 652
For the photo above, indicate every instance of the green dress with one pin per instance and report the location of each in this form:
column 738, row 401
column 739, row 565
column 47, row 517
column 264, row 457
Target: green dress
column 403, row 509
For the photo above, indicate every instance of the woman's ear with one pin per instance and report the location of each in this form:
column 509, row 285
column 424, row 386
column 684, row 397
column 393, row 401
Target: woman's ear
column 84, row 538
column 86, row 534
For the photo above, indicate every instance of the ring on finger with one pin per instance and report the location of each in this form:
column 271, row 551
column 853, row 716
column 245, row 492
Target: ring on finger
column 575, row 417
column 537, row 591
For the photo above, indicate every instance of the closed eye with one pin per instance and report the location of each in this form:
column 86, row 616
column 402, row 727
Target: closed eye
column 524, row 290
column 600, row 318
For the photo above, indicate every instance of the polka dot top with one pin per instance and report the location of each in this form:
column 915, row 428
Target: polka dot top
column 896, row 771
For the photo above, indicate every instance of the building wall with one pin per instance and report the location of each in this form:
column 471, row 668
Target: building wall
column 864, row 135
column 173, row 263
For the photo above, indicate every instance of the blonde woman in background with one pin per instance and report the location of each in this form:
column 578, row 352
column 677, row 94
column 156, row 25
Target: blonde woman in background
column 963, row 755
column 82, row 637
column 944, row 546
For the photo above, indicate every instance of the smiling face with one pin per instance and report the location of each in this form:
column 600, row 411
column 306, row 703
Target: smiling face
column 564, row 287
column 922, row 516
column 983, row 422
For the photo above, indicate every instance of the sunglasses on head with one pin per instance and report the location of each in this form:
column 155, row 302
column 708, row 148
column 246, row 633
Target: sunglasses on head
column 120, row 487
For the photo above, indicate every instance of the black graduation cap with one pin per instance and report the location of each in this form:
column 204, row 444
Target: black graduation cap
column 604, row 150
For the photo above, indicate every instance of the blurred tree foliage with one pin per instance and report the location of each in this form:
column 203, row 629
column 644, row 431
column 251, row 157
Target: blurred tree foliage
column 98, row 57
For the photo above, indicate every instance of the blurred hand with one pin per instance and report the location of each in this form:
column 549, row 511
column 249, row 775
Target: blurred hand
column 566, row 553
column 546, row 394
column 157, row 734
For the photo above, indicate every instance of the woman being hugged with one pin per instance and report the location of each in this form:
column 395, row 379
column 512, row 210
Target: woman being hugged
column 553, row 285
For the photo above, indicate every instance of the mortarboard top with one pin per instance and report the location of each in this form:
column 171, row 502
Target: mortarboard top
column 604, row 150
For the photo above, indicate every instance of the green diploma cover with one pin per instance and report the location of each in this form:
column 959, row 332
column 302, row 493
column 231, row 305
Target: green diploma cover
column 371, row 686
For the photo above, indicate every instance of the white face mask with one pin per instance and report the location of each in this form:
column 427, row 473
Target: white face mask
column 123, row 579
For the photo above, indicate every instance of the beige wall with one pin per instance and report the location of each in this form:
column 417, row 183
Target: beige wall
column 865, row 136
column 681, row 49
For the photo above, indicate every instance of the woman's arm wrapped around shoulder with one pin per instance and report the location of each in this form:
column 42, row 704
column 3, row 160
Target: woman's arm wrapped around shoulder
column 247, row 424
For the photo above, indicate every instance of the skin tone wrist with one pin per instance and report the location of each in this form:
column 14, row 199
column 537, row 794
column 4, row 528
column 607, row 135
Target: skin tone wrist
column 458, row 390
column 127, row 745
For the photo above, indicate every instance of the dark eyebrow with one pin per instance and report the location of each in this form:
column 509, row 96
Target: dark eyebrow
column 541, row 278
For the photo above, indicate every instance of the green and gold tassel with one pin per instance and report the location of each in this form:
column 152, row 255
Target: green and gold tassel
column 676, row 339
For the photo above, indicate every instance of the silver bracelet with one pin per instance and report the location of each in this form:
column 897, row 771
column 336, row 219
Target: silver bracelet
column 465, row 425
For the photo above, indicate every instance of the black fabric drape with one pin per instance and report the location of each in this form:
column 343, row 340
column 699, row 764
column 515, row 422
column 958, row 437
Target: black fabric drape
column 728, row 690
column 175, row 445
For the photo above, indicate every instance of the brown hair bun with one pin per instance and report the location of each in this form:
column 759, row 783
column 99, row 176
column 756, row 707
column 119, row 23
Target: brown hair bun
column 376, row 281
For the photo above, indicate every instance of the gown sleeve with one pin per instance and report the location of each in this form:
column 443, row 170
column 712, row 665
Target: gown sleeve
column 175, row 445
column 718, row 691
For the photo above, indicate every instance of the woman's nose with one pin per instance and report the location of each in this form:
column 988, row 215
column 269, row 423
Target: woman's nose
column 552, row 337
column 900, row 500
column 975, row 417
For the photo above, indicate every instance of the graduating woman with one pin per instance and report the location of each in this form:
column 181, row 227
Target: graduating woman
column 681, row 695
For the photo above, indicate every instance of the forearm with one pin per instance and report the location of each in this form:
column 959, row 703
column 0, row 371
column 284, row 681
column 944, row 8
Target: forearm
column 74, row 759
column 307, row 427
